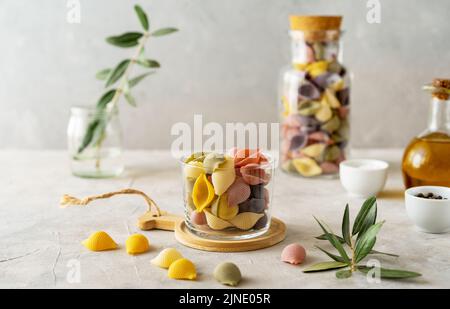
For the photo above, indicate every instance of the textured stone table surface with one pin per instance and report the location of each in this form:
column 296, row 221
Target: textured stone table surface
column 40, row 242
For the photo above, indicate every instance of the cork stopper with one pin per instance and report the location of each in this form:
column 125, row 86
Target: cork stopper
column 315, row 23
column 440, row 88
column 317, row 28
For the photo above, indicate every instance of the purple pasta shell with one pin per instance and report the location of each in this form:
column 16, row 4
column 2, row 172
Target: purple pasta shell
column 309, row 91
column 343, row 96
column 261, row 223
column 298, row 141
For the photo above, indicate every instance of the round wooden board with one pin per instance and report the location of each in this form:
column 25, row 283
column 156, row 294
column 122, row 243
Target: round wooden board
column 275, row 234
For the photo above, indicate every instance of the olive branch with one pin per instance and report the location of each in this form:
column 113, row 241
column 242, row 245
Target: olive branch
column 360, row 242
column 120, row 75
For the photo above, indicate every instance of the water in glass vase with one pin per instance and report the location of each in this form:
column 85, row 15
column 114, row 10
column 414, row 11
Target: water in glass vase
column 95, row 143
column 103, row 163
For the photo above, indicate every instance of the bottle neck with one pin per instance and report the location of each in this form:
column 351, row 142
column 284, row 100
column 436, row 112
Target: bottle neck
column 439, row 120
column 308, row 47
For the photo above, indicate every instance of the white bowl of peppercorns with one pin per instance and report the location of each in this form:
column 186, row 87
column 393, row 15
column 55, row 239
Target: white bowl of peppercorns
column 429, row 208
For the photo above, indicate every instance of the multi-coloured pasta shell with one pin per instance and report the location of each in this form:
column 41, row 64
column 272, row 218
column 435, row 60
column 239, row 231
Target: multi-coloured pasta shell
column 293, row 254
column 182, row 269
column 99, row 241
column 166, row 257
column 309, row 108
column 324, row 113
column 329, row 168
column 212, row 161
column 137, row 243
column 243, row 221
column 246, row 220
column 307, row 167
column 253, row 174
column 331, row 99
column 314, row 150
column 308, row 91
column 215, row 222
column 256, row 205
column 227, row 273
column 198, row 218
column 222, row 209
column 196, row 156
column 332, row 125
column 238, row 192
column 202, row 193
column 193, row 169
column 246, row 156
column 223, row 176
column 317, row 68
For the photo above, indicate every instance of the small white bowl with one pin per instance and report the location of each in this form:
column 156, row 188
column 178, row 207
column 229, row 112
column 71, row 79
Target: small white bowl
column 429, row 215
column 363, row 177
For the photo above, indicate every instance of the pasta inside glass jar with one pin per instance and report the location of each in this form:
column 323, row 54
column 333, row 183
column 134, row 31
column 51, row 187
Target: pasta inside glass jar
column 228, row 196
column 315, row 97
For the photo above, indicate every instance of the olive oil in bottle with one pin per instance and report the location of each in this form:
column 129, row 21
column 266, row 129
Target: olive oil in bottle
column 426, row 160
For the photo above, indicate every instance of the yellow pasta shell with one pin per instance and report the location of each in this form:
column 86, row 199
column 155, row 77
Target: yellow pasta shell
column 331, row 99
column 182, row 269
column 193, row 169
column 317, row 68
column 202, row 193
column 324, row 113
column 223, row 176
column 99, row 241
column 307, row 167
column 221, row 209
column 243, row 221
column 137, row 243
column 215, row 222
column 166, row 257
column 246, row 220
column 314, row 150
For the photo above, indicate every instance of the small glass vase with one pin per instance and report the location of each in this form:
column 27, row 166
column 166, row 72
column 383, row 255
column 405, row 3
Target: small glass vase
column 95, row 143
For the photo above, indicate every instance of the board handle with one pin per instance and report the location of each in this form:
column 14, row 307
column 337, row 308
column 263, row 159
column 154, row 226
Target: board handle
column 164, row 221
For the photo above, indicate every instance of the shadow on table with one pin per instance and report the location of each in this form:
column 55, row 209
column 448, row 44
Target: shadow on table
column 392, row 194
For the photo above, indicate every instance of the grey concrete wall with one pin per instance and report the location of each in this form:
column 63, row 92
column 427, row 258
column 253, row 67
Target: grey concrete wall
column 224, row 63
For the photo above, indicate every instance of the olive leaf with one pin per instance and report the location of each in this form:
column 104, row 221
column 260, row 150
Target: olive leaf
column 130, row 99
column 93, row 133
column 343, row 274
column 118, row 72
column 370, row 220
column 134, row 81
column 142, row 17
column 365, row 229
column 384, row 253
column 334, row 241
column 164, row 31
column 387, row 273
column 366, row 242
column 362, row 214
column 332, row 256
column 106, row 98
column 324, row 266
column 324, row 237
column 128, row 39
column 103, row 74
column 148, row 63
column 346, row 226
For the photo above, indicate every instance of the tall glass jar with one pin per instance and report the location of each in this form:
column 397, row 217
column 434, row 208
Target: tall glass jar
column 315, row 97
column 95, row 142
column 426, row 161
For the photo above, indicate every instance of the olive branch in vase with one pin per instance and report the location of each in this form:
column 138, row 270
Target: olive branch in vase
column 118, row 81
